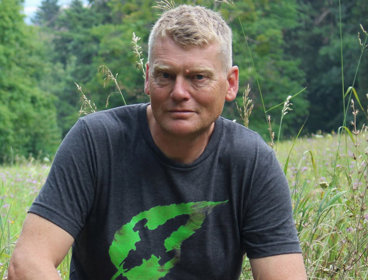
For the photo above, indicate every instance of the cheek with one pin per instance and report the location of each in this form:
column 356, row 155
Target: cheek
column 157, row 96
column 214, row 96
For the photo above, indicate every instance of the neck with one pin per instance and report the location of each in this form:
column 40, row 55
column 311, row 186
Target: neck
column 181, row 148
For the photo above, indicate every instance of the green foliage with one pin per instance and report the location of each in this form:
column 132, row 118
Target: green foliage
column 316, row 41
column 70, row 53
column 258, row 31
column 114, row 49
column 47, row 14
column 24, row 107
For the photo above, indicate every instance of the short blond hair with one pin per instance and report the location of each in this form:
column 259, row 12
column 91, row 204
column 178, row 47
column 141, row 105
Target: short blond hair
column 193, row 26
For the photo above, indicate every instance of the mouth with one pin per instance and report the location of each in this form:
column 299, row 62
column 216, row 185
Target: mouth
column 181, row 113
column 180, row 110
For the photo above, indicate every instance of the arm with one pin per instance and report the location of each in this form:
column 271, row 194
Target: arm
column 280, row 267
column 40, row 248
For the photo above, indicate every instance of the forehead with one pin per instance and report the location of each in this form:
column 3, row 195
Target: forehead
column 168, row 54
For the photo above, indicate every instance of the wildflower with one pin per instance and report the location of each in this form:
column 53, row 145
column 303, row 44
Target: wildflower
column 349, row 229
column 356, row 185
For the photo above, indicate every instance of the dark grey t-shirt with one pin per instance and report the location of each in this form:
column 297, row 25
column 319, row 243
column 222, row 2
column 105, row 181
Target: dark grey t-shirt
column 135, row 214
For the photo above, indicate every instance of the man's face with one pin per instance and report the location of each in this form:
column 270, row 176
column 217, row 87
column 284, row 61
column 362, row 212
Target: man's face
column 188, row 87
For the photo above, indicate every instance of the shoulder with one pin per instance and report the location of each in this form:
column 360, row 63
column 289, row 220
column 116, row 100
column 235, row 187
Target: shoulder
column 114, row 116
column 241, row 139
column 117, row 120
column 107, row 126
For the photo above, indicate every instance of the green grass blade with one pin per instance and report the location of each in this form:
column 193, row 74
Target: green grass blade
column 282, row 103
column 349, row 133
column 292, row 147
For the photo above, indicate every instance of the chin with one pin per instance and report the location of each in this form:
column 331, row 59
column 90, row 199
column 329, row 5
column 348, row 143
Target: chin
column 180, row 131
column 183, row 130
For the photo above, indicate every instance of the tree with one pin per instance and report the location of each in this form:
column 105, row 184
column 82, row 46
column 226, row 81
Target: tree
column 27, row 115
column 47, row 13
column 259, row 44
column 316, row 41
column 70, row 52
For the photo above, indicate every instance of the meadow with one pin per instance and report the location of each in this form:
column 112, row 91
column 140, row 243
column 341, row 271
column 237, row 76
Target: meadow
column 328, row 180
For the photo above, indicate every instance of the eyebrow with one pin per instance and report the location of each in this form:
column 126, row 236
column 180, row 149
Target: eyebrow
column 158, row 67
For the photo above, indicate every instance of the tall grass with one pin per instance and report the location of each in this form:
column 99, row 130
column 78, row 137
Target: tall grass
column 329, row 208
column 19, row 185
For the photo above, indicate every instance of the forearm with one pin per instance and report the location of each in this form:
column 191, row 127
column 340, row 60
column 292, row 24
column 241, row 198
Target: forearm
column 39, row 250
column 31, row 268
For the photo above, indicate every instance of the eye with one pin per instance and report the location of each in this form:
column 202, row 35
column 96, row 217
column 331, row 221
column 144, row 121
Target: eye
column 162, row 74
column 163, row 78
column 199, row 77
column 165, row 75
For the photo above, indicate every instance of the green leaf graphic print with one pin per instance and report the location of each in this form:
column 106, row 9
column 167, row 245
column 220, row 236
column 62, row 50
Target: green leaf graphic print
column 126, row 238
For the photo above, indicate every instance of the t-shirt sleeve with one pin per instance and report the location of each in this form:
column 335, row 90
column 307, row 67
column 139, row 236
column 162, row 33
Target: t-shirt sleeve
column 67, row 195
column 268, row 226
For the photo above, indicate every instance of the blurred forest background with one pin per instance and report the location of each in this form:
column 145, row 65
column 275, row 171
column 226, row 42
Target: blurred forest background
column 282, row 47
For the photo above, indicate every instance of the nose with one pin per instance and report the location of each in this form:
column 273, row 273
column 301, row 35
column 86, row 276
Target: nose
column 180, row 89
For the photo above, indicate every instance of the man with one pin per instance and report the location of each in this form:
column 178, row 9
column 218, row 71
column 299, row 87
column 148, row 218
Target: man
column 166, row 190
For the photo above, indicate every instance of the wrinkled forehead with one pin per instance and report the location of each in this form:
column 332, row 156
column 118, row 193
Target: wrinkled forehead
column 167, row 55
column 186, row 44
column 162, row 46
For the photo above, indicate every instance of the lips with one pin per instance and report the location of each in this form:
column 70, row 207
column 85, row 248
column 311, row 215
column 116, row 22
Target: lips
column 180, row 110
column 181, row 113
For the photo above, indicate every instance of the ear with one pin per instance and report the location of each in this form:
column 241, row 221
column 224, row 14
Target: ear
column 146, row 82
column 233, row 83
